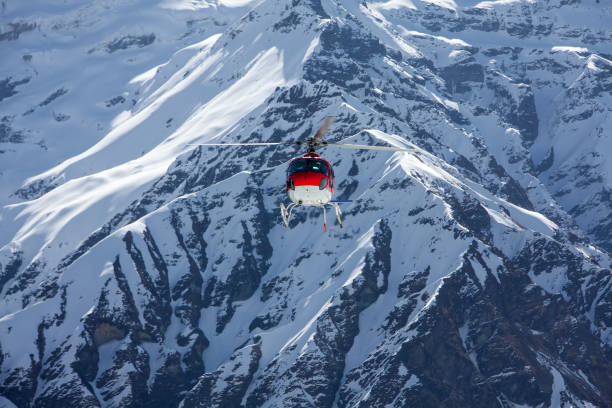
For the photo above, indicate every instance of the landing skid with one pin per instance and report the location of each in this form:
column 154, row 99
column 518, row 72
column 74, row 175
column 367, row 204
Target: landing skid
column 338, row 212
column 286, row 213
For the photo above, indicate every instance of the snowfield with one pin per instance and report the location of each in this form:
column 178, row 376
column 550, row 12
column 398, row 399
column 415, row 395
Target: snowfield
column 140, row 269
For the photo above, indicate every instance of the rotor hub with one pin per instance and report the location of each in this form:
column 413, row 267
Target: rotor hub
column 312, row 143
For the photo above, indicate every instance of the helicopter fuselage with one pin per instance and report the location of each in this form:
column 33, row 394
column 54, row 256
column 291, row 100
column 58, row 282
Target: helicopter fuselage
column 310, row 180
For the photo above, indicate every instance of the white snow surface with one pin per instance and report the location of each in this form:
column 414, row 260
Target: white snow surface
column 207, row 75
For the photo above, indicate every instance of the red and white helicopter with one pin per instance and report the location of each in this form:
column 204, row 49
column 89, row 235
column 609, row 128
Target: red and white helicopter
column 310, row 178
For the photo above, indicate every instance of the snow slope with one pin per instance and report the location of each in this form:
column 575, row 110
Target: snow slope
column 137, row 269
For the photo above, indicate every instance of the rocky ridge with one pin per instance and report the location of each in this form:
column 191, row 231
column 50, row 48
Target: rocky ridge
column 475, row 272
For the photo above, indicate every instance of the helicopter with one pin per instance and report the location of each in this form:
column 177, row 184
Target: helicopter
column 310, row 179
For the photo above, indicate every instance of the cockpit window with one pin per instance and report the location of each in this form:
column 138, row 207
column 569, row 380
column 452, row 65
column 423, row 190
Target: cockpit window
column 314, row 165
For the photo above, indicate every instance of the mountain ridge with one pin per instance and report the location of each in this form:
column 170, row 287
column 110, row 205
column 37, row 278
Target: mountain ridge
column 474, row 272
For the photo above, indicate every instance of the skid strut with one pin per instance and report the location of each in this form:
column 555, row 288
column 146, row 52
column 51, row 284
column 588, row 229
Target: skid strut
column 324, row 219
column 338, row 215
column 286, row 212
column 338, row 212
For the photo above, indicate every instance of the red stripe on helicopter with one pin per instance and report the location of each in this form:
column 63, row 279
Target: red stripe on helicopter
column 309, row 178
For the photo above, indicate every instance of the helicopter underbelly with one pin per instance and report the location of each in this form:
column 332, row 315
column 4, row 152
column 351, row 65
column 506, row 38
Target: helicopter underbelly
column 309, row 195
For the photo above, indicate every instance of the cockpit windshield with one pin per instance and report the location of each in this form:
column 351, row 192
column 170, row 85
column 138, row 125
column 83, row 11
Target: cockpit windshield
column 315, row 165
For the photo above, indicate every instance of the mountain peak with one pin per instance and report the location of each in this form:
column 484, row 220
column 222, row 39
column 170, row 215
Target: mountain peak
column 139, row 268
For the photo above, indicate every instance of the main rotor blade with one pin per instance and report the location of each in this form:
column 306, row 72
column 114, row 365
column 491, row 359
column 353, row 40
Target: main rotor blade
column 246, row 144
column 324, row 127
column 356, row 146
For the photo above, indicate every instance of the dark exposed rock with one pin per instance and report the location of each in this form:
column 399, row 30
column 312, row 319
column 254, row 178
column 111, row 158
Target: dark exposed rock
column 344, row 41
column 189, row 287
column 343, row 52
column 157, row 311
column 497, row 326
column 547, row 162
column 20, row 384
column 60, row 117
column 7, row 87
column 519, row 110
column 12, row 31
column 472, row 215
column 288, row 23
column 35, row 189
column 69, row 393
column 169, row 383
column 464, row 163
column 196, row 342
column 602, row 231
column 10, row 269
column 129, row 41
column 527, row 118
column 8, row 134
column 114, row 101
column 125, row 382
column 108, row 321
column 409, row 289
column 53, row 96
column 226, row 386
column 459, row 76
column 265, row 322
column 26, row 279
column 315, row 5
column 510, row 189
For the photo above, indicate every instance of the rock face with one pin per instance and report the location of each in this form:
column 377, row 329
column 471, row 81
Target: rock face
column 144, row 271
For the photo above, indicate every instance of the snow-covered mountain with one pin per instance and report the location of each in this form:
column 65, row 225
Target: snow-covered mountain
column 140, row 270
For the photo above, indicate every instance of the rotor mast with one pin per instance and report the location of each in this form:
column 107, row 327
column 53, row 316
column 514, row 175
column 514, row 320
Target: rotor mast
column 317, row 139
